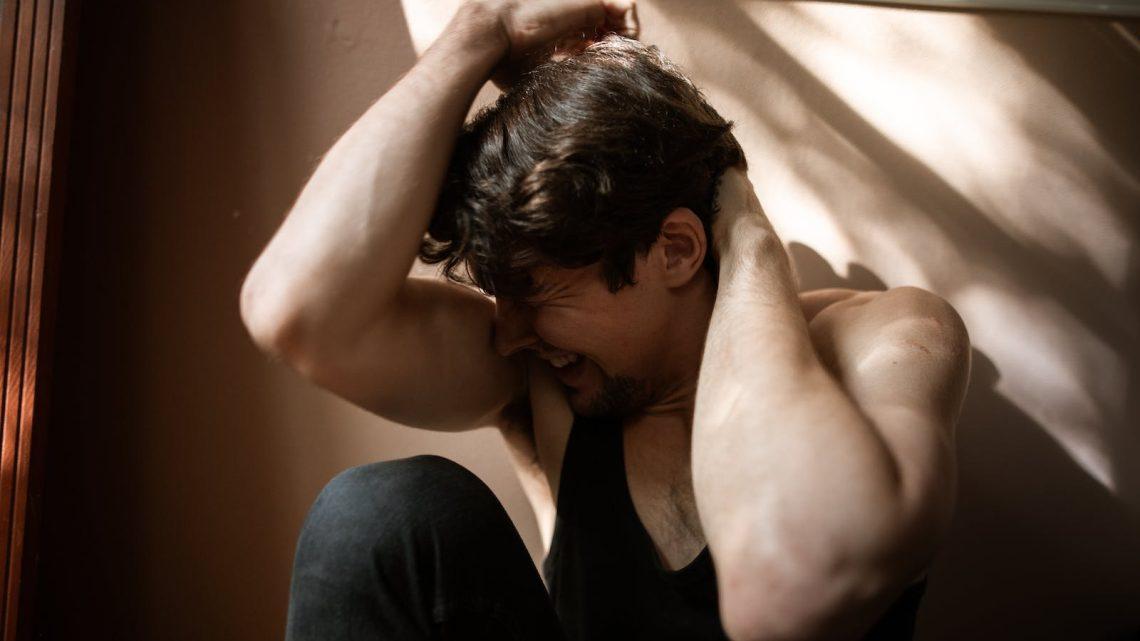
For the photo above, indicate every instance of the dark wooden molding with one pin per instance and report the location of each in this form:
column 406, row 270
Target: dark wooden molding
column 35, row 42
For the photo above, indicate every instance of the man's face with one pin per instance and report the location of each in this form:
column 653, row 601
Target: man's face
column 616, row 338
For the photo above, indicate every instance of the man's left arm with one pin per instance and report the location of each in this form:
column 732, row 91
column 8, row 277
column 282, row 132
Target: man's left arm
column 824, row 473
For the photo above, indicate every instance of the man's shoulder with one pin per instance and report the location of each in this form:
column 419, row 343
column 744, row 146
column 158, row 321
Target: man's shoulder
column 815, row 301
column 863, row 320
column 897, row 303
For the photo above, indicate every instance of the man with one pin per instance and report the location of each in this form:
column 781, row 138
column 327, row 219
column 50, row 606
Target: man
column 796, row 489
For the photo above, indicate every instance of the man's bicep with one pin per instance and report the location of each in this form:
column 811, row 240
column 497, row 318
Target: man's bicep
column 430, row 364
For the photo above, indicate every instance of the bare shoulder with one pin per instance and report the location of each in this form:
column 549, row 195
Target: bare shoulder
column 904, row 346
column 912, row 314
column 848, row 310
column 816, row 300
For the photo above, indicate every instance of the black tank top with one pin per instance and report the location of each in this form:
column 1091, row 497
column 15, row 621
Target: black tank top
column 604, row 576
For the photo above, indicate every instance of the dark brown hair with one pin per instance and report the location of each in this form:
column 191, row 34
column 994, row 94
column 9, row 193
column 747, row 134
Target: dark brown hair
column 579, row 162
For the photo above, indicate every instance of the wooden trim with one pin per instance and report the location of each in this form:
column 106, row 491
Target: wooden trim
column 32, row 47
column 1099, row 8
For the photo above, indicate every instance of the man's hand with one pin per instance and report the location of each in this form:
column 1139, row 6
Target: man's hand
column 534, row 31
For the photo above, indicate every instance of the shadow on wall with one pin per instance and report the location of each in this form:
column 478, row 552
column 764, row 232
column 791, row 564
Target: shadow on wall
column 182, row 461
column 167, row 511
column 1039, row 548
column 965, row 247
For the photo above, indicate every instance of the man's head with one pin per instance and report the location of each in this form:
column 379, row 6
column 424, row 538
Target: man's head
column 583, row 201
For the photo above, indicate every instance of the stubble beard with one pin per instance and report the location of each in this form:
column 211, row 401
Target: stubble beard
column 619, row 397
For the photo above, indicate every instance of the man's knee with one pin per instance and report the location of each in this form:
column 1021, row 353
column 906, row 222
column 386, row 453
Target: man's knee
column 392, row 502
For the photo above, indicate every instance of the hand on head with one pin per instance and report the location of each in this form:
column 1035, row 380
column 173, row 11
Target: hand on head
column 538, row 30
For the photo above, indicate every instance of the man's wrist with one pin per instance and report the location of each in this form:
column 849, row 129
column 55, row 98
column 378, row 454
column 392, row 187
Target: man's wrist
column 737, row 233
column 477, row 30
column 740, row 220
column 750, row 251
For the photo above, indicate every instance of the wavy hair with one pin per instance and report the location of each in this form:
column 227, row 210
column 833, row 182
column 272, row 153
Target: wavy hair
column 579, row 162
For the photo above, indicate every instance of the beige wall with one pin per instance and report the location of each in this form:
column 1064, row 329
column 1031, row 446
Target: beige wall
column 992, row 158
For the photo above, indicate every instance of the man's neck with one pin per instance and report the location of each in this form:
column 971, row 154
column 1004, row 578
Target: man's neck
column 684, row 345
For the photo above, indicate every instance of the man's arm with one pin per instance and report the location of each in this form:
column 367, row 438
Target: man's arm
column 822, row 487
column 815, row 301
column 330, row 294
column 343, row 252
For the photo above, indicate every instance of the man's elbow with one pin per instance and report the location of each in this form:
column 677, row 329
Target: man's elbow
column 811, row 607
column 272, row 330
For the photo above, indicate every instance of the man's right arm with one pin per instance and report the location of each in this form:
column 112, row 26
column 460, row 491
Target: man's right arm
column 330, row 296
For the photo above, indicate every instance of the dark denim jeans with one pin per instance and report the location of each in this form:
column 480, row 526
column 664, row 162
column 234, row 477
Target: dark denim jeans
column 416, row 548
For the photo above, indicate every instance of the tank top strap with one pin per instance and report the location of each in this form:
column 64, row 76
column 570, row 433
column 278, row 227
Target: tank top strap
column 590, row 463
column 586, row 471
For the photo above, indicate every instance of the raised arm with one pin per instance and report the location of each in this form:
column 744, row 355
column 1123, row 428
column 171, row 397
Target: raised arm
column 330, row 294
column 823, row 461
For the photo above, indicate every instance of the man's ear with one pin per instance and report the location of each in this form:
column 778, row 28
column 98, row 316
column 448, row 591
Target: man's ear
column 680, row 247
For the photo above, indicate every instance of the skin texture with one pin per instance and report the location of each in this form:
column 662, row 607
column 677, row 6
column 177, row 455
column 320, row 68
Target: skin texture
column 823, row 451
column 818, row 423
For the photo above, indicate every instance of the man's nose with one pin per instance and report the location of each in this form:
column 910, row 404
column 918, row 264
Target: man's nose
column 512, row 328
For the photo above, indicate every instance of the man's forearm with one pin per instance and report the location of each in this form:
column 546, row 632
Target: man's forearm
column 792, row 483
column 348, row 242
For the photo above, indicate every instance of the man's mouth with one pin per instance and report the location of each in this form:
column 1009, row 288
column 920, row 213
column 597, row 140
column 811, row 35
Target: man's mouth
column 572, row 370
column 562, row 360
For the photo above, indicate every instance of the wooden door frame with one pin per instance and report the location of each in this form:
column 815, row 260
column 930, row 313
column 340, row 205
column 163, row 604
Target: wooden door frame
column 37, row 39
